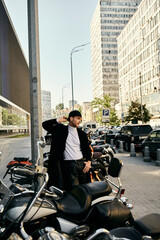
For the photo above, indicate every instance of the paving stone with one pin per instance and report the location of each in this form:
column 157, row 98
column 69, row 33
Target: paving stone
column 140, row 179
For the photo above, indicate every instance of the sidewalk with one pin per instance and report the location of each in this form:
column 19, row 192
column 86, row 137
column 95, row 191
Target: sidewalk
column 140, row 179
column 10, row 148
column 142, row 183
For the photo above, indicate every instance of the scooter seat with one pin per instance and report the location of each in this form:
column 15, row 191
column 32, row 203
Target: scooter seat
column 77, row 202
column 149, row 225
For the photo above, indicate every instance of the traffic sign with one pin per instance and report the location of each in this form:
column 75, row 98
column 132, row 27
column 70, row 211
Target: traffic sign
column 105, row 115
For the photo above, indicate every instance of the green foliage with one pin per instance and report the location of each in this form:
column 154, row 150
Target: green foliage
column 114, row 121
column 80, row 109
column 99, row 116
column 12, row 119
column 134, row 113
column 60, row 106
column 4, row 116
column 103, row 103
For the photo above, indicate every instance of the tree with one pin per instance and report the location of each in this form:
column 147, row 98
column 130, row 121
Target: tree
column 134, row 113
column 113, row 120
column 60, row 106
column 4, row 116
column 80, row 109
column 102, row 103
column 12, row 118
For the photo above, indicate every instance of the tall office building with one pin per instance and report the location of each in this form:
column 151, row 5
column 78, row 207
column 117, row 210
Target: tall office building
column 46, row 105
column 109, row 19
column 139, row 59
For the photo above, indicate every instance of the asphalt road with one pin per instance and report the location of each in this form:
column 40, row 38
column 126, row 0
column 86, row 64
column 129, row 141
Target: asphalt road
column 140, row 179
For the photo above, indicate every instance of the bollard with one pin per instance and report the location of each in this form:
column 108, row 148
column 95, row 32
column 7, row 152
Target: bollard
column 146, row 155
column 120, row 150
column 112, row 142
column 158, row 158
column 132, row 153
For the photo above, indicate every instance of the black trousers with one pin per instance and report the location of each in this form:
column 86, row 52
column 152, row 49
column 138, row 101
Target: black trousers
column 73, row 174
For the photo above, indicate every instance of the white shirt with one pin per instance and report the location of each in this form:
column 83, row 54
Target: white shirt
column 72, row 150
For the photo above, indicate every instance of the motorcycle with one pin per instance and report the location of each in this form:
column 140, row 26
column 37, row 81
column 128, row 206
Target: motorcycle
column 99, row 163
column 98, row 172
column 144, row 228
column 102, row 150
column 79, row 213
column 19, row 207
column 103, row 153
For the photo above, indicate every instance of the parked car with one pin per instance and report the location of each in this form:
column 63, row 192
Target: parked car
column 101, row 131
column 153, row 142
column 90, row 124
column 111, row 134
column 133, row 133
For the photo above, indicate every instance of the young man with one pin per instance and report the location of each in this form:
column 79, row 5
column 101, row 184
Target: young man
column 70, row 154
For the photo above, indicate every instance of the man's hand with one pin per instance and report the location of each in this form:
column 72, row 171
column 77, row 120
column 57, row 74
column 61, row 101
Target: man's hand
column 87, row 167
column 62, row 119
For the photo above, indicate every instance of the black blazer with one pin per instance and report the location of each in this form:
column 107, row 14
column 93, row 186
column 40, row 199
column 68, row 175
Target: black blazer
column 59, row 135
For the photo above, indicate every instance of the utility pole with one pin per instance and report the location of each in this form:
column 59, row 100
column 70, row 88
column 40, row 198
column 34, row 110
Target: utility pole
column 140, row 83
column 35, row 86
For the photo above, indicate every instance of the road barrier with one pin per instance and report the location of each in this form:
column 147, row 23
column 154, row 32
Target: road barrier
column 112, row 142
column 158, row 158
column 146, row 155
column 120, row 150
column 132, row 153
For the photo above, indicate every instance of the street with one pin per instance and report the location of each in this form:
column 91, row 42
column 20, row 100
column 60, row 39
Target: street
column 140, row 179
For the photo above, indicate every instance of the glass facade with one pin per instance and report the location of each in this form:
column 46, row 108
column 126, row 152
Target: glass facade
column 14, row 79
column 14, row 71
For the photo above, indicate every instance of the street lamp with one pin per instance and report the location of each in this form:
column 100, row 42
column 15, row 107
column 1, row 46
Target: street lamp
column 65, row 86
column 74, row 51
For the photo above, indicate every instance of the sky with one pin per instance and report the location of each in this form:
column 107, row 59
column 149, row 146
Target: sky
column 63, row 25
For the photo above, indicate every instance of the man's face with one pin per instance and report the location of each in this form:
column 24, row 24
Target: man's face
column 75, row 121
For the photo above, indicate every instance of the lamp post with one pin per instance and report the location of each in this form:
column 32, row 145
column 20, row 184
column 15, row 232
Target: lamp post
column 65, row 86
column 74, row 50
